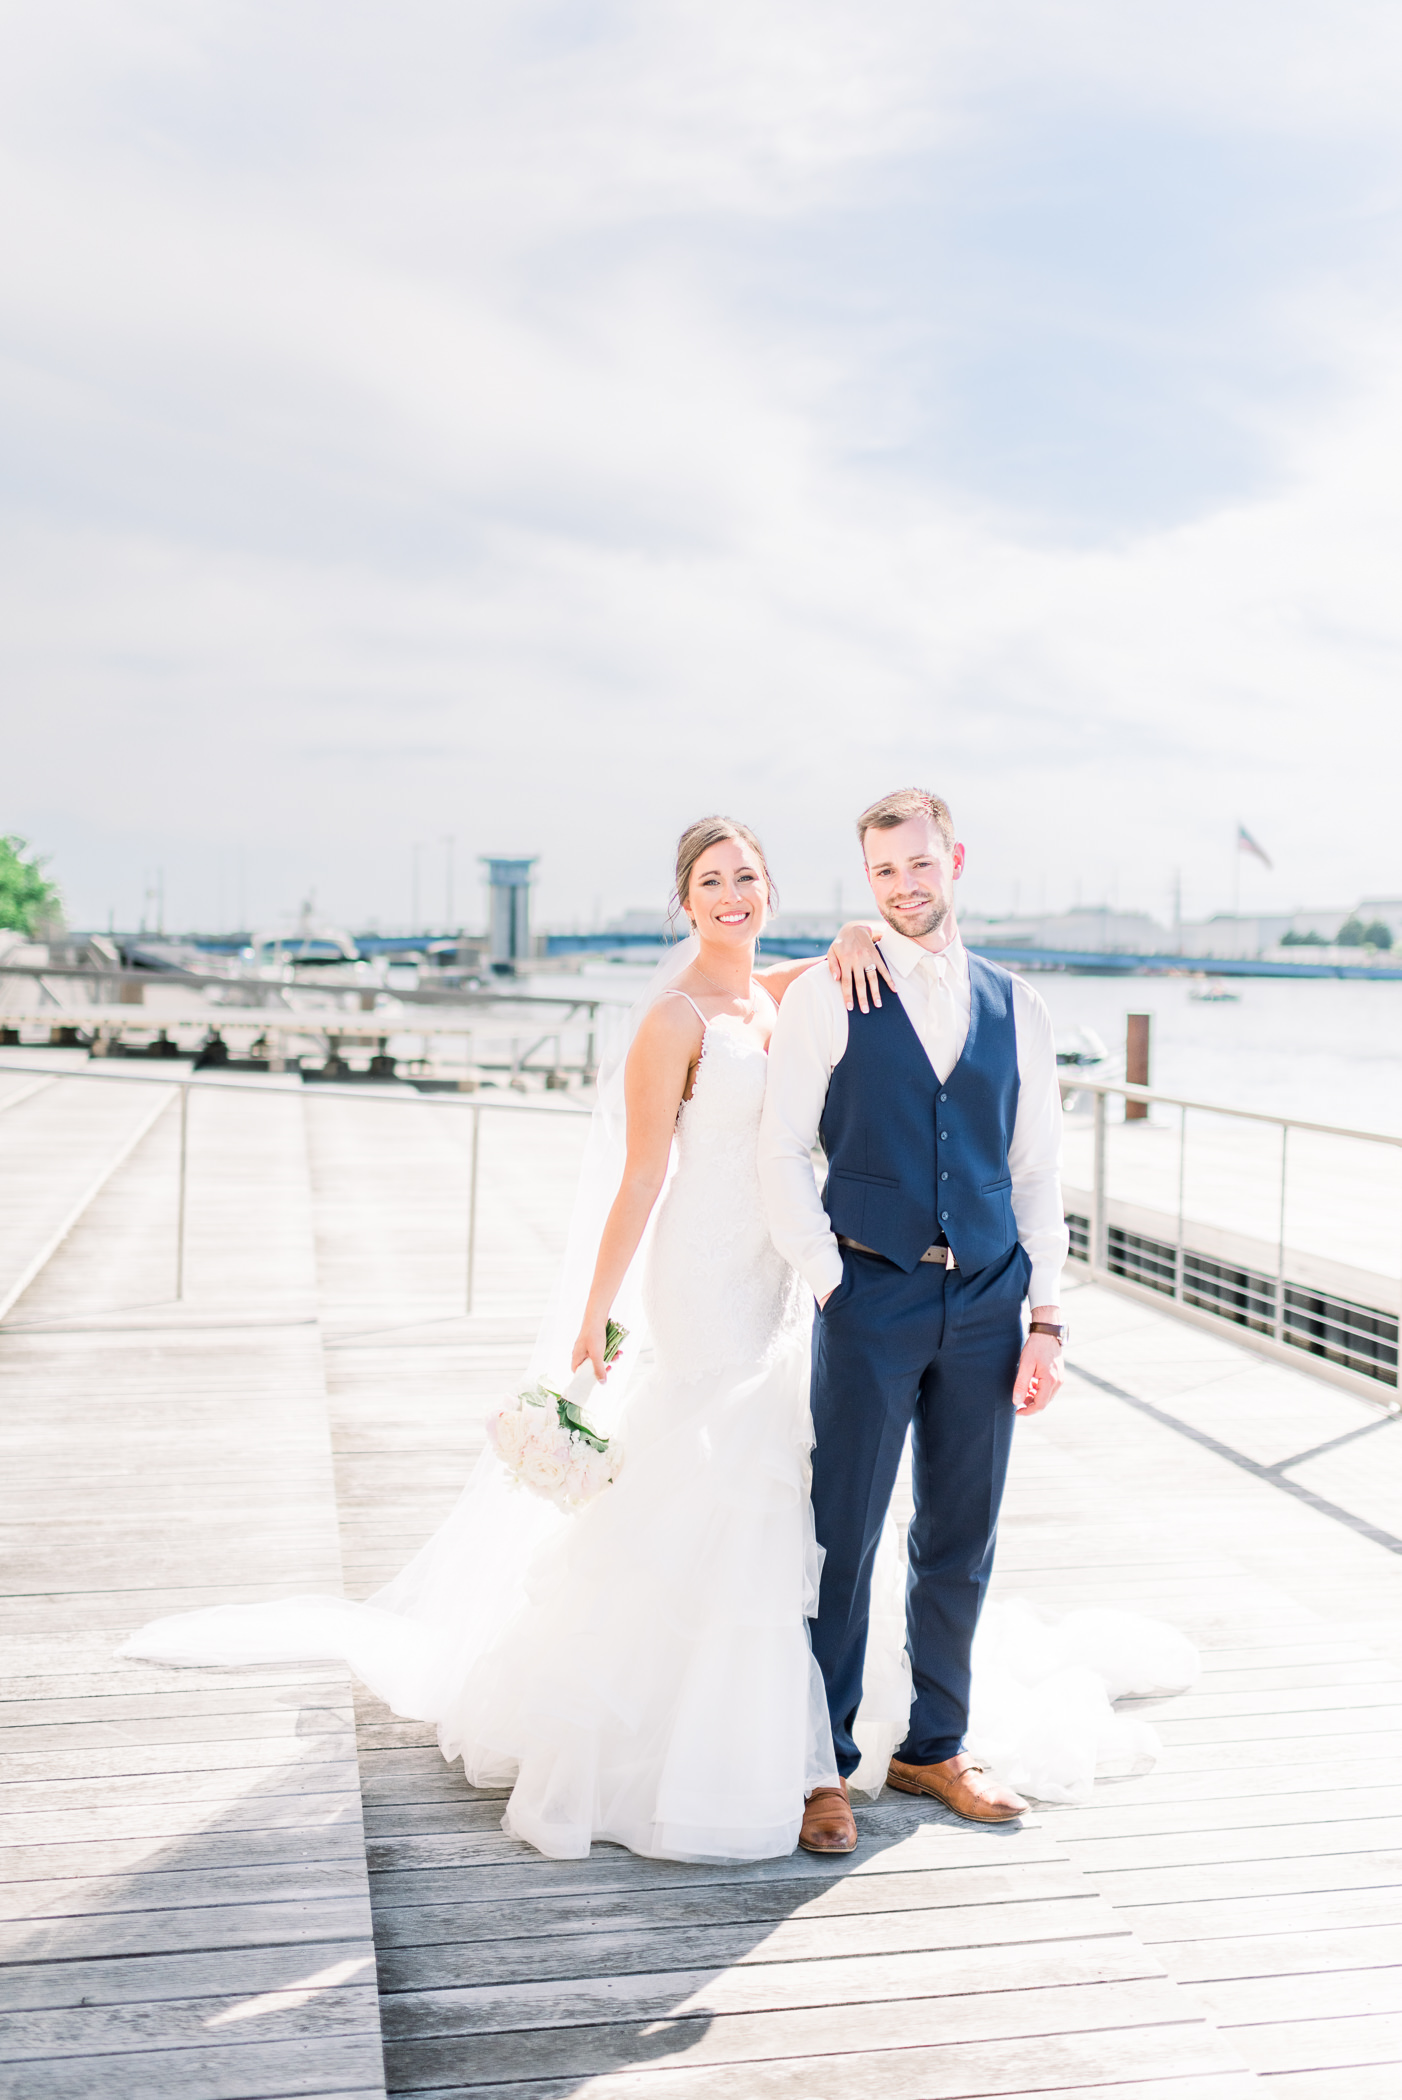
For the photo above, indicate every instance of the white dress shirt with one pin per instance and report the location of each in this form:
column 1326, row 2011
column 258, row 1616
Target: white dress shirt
column 810, row 1036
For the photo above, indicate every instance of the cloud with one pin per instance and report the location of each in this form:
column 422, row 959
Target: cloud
column 536, row 424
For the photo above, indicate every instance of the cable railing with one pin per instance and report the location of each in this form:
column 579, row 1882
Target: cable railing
column 188, row 1085
column 1230, row 1255
column 1222, row 1251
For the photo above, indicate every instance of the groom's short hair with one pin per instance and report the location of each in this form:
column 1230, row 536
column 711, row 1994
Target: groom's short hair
column 899, row 808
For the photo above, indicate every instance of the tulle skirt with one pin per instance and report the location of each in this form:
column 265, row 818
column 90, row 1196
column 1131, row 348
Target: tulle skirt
column 639, row 1671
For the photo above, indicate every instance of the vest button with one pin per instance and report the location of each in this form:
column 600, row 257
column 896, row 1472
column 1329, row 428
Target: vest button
column 944, row 1097
column 944, row 1177
column 944, row 1217
column 943, row 1135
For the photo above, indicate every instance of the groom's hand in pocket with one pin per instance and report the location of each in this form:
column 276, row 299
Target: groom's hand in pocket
column 1038, row 1374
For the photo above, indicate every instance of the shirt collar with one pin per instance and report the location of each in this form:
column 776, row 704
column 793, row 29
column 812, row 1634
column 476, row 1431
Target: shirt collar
column 904, row 954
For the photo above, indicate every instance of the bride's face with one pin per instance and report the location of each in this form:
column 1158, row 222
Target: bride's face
column 729, row 894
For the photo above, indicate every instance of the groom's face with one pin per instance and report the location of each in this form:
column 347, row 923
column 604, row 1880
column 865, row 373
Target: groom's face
column 912, row 875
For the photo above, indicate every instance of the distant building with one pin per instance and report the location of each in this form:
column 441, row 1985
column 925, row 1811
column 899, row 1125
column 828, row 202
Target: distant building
column 642, row 921
column 1232, row 934
column 1094, row 928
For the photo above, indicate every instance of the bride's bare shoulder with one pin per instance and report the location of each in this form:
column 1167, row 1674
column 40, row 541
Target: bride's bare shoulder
column 670, row 1024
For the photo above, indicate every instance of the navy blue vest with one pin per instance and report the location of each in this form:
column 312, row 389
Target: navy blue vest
column 909, row 1159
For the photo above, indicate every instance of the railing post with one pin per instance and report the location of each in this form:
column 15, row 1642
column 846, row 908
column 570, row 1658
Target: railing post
column 1098, row 1232
column 1182, row 1172
column 472, row 1205
column 180, row 1199
column 1280, row 1245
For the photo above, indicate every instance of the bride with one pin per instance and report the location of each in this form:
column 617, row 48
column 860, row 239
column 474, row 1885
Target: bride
column 640, row 1671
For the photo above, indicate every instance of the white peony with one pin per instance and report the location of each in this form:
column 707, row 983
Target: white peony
column 582, row 1478
column 507, row 1431
column 542, row 1469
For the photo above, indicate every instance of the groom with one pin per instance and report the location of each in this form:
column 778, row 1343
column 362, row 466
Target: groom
column 940, row 1116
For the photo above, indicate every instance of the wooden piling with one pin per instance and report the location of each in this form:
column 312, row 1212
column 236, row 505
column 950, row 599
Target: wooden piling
column 1136, row 1063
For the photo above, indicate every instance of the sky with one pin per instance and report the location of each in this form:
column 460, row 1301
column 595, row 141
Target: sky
column 536, row 425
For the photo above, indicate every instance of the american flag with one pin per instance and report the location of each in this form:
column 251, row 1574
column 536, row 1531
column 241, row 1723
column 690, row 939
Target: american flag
column 1246, row 844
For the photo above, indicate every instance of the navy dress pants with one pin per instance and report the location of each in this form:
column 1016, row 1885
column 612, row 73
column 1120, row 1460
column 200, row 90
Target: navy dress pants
column 936, row 1352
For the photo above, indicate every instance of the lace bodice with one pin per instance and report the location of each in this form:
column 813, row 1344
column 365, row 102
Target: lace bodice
column 717, row 1289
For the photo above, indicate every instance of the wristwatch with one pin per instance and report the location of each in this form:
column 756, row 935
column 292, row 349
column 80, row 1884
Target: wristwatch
column 1048, row 1327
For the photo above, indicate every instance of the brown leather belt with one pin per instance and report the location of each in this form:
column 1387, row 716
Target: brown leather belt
column 942, row 1257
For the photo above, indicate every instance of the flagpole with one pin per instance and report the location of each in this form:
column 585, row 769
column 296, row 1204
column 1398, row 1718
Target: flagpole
column 1236, row 873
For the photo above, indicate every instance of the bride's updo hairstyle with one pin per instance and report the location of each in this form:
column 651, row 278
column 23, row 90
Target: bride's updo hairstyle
column 698, row 838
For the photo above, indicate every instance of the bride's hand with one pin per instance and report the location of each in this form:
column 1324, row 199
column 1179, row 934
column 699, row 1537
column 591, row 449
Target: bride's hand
column 589, row 1347
column 857, row 964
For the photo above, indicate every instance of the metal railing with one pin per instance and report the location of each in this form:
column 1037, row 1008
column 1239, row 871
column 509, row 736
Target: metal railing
column 1289, row 1315
column 187, row 1085
column 1349, row 1339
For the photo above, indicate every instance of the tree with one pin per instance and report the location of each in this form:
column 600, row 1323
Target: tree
column 1291, row 939
column 27, row 897
column 1354, row 934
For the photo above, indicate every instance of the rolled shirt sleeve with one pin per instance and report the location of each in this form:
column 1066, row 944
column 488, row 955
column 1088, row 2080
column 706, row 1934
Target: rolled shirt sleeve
column 1034, row 1155
column 810, row 1036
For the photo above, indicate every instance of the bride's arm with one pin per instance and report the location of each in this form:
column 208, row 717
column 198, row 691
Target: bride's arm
column 854, row 960
column 665, row 1048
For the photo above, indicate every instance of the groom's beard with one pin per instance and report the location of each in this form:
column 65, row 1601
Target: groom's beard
column 925, row 918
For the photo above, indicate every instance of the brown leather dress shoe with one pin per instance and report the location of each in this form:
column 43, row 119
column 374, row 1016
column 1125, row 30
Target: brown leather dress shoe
column 962, row 1785
column 828, row 1825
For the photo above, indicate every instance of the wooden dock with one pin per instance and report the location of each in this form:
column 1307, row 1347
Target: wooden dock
column 194, row 1860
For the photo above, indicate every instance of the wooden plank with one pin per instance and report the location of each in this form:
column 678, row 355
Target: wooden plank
column 331, row 2067
column 1377, row 1837
column 1208, row 1921
column 980, row 1990
column 416, row 1964
column 173, row 1888
column 259, row 1818
column 1373, row 1797
column 555, row 1910
column 1358, row 2082
column 1154, row 2066
column 319, row 2010
column 610, row 1868
column 1275, row 1953
column 1327, row 2044
column 200, row 1852
column 247, row 1755
column 248, row 1790
column 1088, row 2017
column 154, row 1978
column 333, row 1723
column 161, row 1931
column 1368, row 1991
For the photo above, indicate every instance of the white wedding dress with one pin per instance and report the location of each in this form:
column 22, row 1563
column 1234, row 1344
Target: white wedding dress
column 641, row 1671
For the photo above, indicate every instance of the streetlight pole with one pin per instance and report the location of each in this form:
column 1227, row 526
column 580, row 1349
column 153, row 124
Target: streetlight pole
column 449, row 842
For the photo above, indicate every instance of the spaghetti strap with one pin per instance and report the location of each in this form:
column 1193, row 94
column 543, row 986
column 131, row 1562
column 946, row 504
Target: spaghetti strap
column 672, row 992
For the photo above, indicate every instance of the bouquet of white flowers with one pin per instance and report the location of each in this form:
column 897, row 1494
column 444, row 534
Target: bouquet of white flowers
column 543, row 1440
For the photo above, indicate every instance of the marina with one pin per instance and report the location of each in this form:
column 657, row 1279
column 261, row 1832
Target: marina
column 256, row 1883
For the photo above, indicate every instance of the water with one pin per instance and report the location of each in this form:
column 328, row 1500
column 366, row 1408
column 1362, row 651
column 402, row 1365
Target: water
column 1326, row 1049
